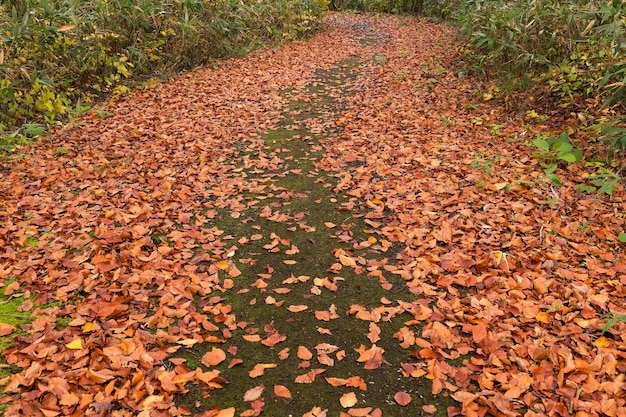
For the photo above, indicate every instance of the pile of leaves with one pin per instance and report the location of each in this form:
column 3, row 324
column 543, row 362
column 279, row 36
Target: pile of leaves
column 508, row 290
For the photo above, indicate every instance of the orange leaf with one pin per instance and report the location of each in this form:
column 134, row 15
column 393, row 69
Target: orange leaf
column 297, row 308
column 258, row 370
column 402, row 398
column 282, row 391
column 602, row 342
column 213, row 357
column 348, row 400
column 227, row 412
column 429, row 408
column 336, row 382
column 6, row 329
column 304, row 353
column 347, row 261
column 309, row 377
column 374, row 334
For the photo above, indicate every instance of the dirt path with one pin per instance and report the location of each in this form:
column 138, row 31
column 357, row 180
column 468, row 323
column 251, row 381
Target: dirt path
column 338, row 226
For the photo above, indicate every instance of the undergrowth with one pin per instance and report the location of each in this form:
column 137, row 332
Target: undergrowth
column 59, row 56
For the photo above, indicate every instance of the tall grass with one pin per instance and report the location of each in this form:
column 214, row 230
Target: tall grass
column 54, row 53
column 576, row 47
column 432, row 8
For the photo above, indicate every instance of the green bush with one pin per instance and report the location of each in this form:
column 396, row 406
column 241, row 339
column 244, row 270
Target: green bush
column 56, row 52
column 575, row 47
column 432, row 8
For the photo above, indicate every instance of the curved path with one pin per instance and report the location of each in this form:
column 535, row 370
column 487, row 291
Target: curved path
column 342, row 226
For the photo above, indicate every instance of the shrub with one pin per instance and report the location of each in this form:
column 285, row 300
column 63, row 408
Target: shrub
column 56, row 52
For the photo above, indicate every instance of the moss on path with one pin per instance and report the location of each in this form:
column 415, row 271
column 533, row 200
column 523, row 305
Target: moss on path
column 288, row 258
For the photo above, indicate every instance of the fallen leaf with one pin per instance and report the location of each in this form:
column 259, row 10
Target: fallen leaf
column 429, row 408
column 309, row 377
column 254, row 393
column 75, row 344
column 348, row 400
column 304, row 353
column 347, row 261
column 282, row 391
column 297, row 308
column 213, row 357
column 6, row 329
column 402, row 398
column 227, row 412
column 222, row 265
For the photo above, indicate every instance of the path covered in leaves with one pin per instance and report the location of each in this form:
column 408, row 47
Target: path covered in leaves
column 342, row 226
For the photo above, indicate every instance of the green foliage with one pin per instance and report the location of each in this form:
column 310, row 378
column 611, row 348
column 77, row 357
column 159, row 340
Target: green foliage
column 432, row 8
column 575, row 47
column 555, row 150
column 615, row 136
column 613, row 319
column 603, row 182
column 54, row 53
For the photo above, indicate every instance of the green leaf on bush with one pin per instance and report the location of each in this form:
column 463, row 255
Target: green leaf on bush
column 34, row 129
column 542, row 144
column 567, row 157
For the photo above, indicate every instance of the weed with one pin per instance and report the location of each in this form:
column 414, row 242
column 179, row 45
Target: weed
column 613, row 319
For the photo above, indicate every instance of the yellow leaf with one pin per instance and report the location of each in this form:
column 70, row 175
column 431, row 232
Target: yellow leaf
column 602, row 342
column 65, row 28
column 75, row 344
column 347, row 261
column 542, row 317
column 297, row 308
column 87, row 327
column 348, row 400
column 227, row 412
column 223, row 265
